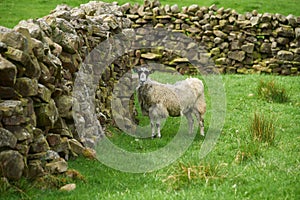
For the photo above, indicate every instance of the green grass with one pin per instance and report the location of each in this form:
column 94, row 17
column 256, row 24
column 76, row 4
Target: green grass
column 235, row 169
column 263, row 128
column 13, row 11
column 272, row 92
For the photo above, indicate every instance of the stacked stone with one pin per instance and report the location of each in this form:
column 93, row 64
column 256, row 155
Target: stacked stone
column 239, row 43
column 38, row 62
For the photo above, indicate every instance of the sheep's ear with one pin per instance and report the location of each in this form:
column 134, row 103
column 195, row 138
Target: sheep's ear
column 135, row 70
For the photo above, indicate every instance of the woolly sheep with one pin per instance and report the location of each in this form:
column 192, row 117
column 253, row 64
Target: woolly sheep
column 158, row 101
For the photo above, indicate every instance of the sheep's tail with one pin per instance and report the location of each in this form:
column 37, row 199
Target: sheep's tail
column 198, row 90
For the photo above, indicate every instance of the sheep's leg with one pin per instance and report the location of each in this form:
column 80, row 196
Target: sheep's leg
column 157, row 113
column 153, row 129
column 201, row 121
column 158, row 129
column 153, row 119
column 190, row 119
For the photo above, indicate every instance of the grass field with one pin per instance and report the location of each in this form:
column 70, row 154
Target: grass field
column 13, row 11
column 237, row 168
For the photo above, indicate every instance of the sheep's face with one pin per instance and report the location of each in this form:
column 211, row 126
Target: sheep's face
column 143, row 74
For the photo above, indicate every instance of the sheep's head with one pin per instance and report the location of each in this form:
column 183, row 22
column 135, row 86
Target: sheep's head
column 143, row 73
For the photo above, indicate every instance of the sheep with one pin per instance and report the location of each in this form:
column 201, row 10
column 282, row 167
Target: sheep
column 158, row 101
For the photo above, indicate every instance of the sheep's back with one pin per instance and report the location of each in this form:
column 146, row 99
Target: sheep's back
column 190, row 92
column 151, row 94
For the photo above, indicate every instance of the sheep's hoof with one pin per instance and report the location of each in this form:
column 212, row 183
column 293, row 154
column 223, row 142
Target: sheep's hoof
column 155, row 136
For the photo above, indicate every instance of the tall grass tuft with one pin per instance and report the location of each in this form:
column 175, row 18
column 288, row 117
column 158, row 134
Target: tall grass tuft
column 262, row 129
column 272, row 92
column 185, row 174
column 249, row 150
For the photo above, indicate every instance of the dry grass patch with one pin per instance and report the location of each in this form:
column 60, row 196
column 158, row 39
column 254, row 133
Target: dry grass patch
column 185, row 174
column 272, row 92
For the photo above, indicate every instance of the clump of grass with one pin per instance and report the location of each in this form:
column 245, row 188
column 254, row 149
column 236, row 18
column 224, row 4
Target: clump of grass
column 184, row 174
column 249, row 150
column 56, row 181
column 50, row 182
column 8, row 188
column 262, row 129
column 272, row 92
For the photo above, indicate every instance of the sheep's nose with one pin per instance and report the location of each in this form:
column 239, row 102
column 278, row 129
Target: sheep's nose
column 143, row 77
column 142, row 82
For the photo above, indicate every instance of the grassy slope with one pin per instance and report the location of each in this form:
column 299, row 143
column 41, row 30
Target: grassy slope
column 273, row 173
column 13, row 11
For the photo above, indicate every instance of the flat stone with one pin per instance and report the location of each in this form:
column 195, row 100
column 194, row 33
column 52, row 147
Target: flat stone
column 193, row 8
column 297, row 32
column 44, row 93
column 64, row 104
column 63, row 146
column 31, row 65
column 39, row 145
column 163, row 17
column 11, row 107
column 130, row 16
column 7, row 138
column 179, row 60
column 12, row 38
column 58, row 166
column 51, row 155
column 285, row 31
column 254, row 20
column 248, row 48
column 193, row 30
column 220, row 34
column 76, row 146
column 70, row 61
column 141, row 21
column 33, row 28
column 53, row 139
column 27, row 87
column 236, row 55
column 215, row 51
column 8, row 73
column 68, row 187
column 175, row 8
column 221, row 61
column 285, row 55
column 47, row 114
column 34, row 169
column 151, row 56
column 12, row 164
column 282, row 40
column 20, row 132
column 266, row 17
column 266, row 47
column 9, row 93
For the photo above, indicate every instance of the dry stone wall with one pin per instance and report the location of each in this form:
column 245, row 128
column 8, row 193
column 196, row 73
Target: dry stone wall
column 239, row 43
column 39, row 59
column 38, row 64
